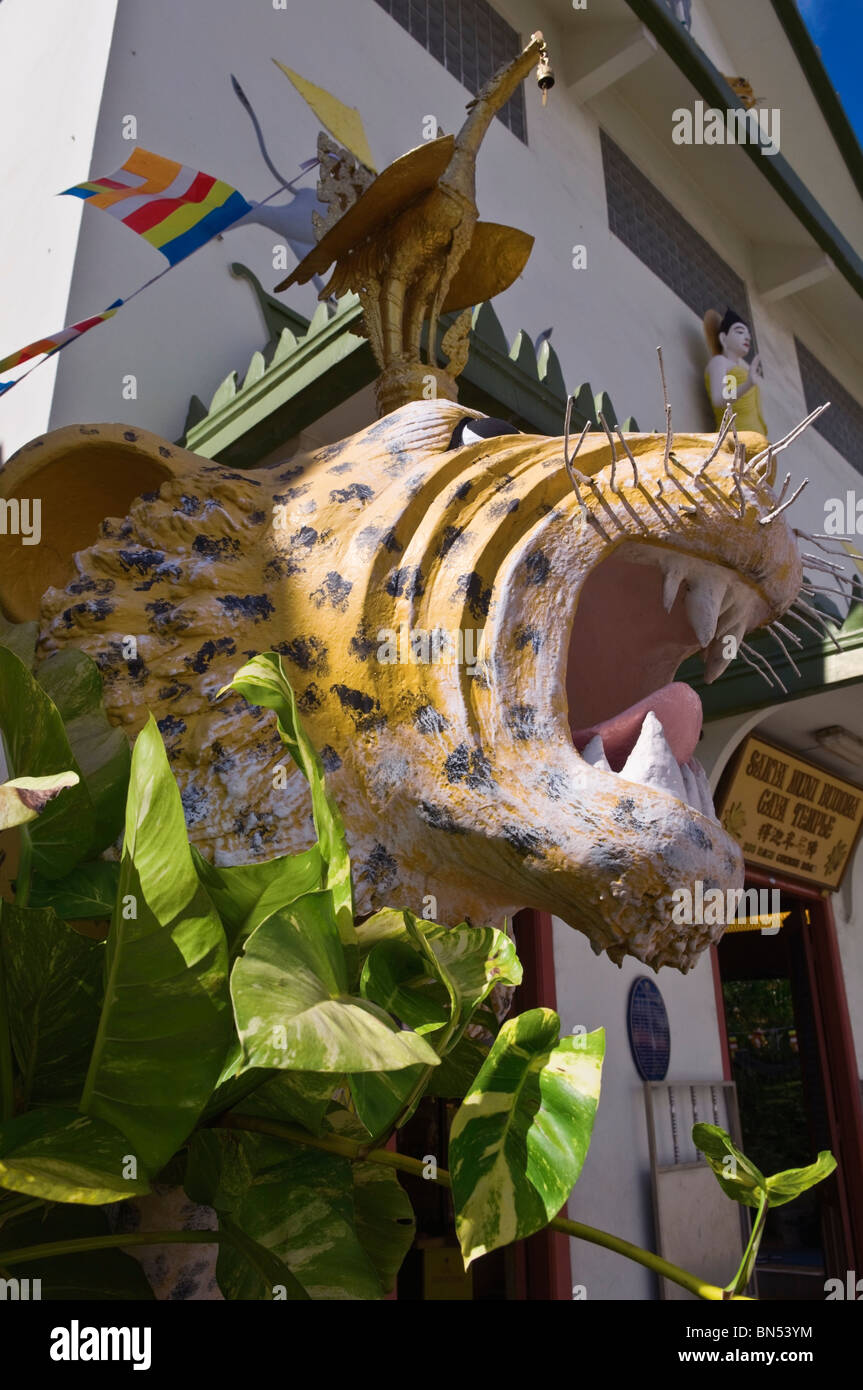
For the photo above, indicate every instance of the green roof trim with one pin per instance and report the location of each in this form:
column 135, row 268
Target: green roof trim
column 308, row 367
column 710, row 84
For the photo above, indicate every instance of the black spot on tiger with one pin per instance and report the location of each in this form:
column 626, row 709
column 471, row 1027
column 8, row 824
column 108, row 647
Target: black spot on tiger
column 307, row 653
column 98, row 609
column 130, row 435
column 173, row 691
column 528, row 637
column 334, row 590
column 470, row 766
column 538, row 566
column 380, row 867
column 330, row 758
column 452, row 536
column 341, row 467
column 527, row 842
column 292, row 493
column 439, row 818
column 281, row 567
column 239, row 478
column 429, row 720
column 697, row 836
column 150, row 496
column 357, row 492
column 462, row 490
column 304, row 538
column 255, row 607
column 222, row 760
column 195, row 804
column 189, row 504
column 521, row 722
column 87, row 585
column 331, row 451
column 362, row 644
column 470, row 588
column 364, row 709
column 165, row 453
column 311, row 699
column 499, row 509
column 82, row 429
column 371, row 537
column 200, row 662
column 296, row 470
column 171, row 726
column 555, row 784
column 216, row 547
column 142, row 560
column 504, row 484
column 257, row 518
column 406, row 583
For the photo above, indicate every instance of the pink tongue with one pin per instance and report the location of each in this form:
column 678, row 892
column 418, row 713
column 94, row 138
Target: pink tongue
column 676, row 706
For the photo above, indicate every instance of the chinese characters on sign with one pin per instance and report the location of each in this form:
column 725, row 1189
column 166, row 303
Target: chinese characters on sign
column 790, row 815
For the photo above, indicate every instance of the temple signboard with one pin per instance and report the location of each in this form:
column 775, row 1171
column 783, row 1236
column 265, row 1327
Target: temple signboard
column 789, row 815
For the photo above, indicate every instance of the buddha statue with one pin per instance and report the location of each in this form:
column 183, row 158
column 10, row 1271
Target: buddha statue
column 729, row 378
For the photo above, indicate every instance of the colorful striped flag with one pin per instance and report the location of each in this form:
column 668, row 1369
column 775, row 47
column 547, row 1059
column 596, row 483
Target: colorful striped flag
column 55, row 342
column 174, row 207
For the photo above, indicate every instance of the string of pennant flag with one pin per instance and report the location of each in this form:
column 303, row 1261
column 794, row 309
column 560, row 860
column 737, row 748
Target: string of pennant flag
column 178, row 209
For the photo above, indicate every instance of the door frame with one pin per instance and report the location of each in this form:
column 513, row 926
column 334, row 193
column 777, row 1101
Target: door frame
column 837, row 1057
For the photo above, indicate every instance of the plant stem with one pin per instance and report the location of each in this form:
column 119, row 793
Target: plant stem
column 744, row 1273
column 351, row 1149
column 74, row 1247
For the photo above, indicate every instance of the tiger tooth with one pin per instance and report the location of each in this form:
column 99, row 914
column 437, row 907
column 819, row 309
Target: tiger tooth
column 703, row 786
column 703, row 604
column 652, row 762
column 673, row 572
column 690, row 786
column 594, row 753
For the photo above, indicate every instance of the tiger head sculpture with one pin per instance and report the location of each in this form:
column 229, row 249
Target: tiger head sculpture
column 483, row 653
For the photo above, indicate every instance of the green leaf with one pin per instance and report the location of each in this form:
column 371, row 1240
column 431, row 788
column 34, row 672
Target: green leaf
column 433, row 979
column 25, row 798
column 88, row 891
column 53, row 979
column 165, row 1024
column 380, row 1097
column 292, row 1002
column 247, row 1270
column 301, row 1207
column 384, row 1219
column 458, row 1070
column 91, row 1275
column 73, row 681
column 736, row 1174
column 263, row 682
column 519, row 1139
column 469, row 962
column 36, row 745
column 20, row 638
column 294, row 1097
column 64, row 1157
column 244, row 895
column 398, row 978
column 784, row 1187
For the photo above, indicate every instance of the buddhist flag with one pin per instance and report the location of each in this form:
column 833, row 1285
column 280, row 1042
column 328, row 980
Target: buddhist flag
column 344, row 123
column 54, row 343
column 172, row 206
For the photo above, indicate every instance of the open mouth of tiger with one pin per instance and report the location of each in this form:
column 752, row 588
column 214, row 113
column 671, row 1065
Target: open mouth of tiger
column 641, row 613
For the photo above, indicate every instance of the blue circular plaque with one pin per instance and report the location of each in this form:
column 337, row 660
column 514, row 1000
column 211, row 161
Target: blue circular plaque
column 649, row 1033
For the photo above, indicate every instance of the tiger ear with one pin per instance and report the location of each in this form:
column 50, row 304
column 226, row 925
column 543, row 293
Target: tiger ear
column 56, row 491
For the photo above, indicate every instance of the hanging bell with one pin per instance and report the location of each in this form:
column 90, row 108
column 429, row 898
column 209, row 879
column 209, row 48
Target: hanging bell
column 544, row 78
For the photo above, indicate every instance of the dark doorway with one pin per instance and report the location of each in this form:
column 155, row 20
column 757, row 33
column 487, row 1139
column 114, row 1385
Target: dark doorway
column 779, row 1062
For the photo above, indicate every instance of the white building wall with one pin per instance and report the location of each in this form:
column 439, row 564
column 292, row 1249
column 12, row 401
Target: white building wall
column 53, row 57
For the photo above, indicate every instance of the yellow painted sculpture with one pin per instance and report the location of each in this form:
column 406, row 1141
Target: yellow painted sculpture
column 729, row 379
column 482, row 626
